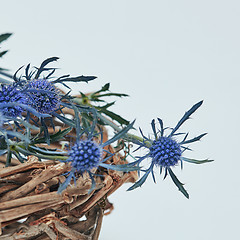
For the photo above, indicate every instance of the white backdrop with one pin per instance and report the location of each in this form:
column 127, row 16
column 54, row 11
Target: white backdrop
column 167, row 55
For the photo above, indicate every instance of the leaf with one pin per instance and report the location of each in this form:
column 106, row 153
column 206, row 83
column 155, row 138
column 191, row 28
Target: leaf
column 46, row 151
column 75, row 79
column 65, row 120
column 28, row 108
column 193, row 139
column 77, row 121
column 64, row 185
column 103, row 89
column 5, row 81
column 178, row 183
column 54, row 137
column 190, row 160
column 4, row 36
column 186, row 116
column 112, row 94
column 115, row 116
column 120, row 167
column 140, row 182
column 44, row 127
column 44, row 63
column 119, row 134
column 2, row 152
column 106, row 106
column 154, row 128
column 161, row 125
column 18, row 135
column 3, row 53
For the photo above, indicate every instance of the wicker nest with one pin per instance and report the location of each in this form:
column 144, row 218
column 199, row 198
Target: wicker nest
column 31, row 208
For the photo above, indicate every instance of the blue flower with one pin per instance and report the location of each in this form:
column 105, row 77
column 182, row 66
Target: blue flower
column 9, row 94
column 43, row 95
column 166, row 152
column 85, row 155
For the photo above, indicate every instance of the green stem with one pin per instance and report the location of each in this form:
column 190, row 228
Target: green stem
column 21, row 149
column 129, row 137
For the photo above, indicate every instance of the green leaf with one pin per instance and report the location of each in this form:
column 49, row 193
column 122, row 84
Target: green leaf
column 119, row 135
column 46, row 151
column 120, row 167
column 106, row 105
column 115, row 116
column 54, row 137
column 103, row 89
column 3, row 53
column 178, row 183
column 190, row 160
column 4, row 36
column 113, row 94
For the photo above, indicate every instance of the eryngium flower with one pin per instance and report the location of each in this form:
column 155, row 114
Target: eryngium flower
column 166, row 152
column 43, row 95
column 85, row 155
column 10, row 94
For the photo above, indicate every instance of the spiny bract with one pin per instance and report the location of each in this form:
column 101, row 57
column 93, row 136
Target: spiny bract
column 165, row 152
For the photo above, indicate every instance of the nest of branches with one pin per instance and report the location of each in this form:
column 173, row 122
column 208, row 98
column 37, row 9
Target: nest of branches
column 31, row 208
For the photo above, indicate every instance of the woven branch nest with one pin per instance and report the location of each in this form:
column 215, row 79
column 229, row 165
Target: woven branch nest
column 28, row 192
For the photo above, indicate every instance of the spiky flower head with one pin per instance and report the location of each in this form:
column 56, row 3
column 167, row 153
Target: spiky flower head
column 43, row 95
column 88, row 154
column 85, row 155
column 165, row 152
column 11, row 94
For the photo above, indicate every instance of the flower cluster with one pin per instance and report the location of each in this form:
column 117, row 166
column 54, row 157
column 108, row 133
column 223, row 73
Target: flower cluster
column 43, row 104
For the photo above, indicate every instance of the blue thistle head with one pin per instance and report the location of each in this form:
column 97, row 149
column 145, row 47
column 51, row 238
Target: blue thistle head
column 43, row 95
column 85, row 155
column 165, row 152
column 11, row 94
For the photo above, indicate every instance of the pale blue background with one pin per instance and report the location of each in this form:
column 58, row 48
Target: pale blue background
column 167, row 55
